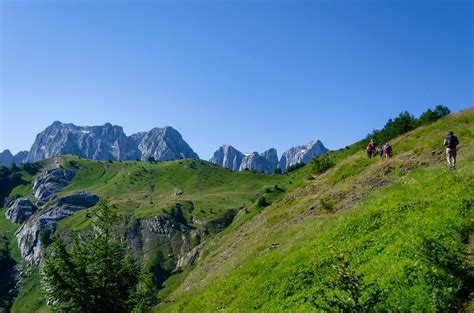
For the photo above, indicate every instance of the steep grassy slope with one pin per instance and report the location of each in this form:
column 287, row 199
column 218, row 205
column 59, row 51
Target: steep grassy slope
column 397, row 227
column 140, row 190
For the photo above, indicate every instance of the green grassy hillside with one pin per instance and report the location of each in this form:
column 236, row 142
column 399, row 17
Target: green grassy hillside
column 143, row 189
column 391, row 233
column 367, row 233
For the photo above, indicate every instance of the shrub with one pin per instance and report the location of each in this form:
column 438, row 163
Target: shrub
column 262, row 202
column 321, row 164
column 295, row 167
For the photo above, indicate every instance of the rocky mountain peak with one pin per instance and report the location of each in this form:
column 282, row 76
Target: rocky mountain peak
column 108, row 142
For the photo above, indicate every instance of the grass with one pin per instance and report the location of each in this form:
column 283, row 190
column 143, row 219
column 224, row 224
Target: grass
column 143, row 189
column 397, row 227
column 401, row 225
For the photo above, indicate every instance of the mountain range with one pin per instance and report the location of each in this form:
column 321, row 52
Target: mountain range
column 267, row 161
column 109, row 142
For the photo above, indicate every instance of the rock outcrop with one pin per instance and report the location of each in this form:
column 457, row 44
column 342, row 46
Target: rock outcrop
column 109, row 142
column 48, row 184
column 19, row 210
column 46, row 220
column 231, row 158
column 302, row 154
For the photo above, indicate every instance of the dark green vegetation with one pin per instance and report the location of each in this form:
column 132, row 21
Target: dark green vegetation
column 14, row 176
column 344, row 233
column 97, row 272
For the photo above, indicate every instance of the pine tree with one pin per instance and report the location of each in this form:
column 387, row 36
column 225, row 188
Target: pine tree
column 95, row 273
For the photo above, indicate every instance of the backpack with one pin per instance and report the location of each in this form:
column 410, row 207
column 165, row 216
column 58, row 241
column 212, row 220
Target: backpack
column 451, row 142
column 369, row 147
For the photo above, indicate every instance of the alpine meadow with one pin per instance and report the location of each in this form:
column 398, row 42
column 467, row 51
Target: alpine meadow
column 236, row 156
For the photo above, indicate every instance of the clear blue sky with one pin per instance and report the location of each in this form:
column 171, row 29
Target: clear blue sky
column 254, row 74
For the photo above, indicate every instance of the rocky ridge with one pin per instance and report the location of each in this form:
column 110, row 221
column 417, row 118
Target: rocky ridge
column 109, row 142
column 231, row 158
column 267, row 161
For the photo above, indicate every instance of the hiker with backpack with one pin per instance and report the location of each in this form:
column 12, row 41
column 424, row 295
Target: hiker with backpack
column 371, row 148
column 387, row 150
column 451, row 142
column 381, row 152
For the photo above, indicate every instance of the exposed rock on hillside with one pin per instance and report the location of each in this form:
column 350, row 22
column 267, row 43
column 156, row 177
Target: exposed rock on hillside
column 19, row 210
column 51, row 182
column 46, row 220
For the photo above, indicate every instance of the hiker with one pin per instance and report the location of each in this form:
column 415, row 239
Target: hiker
column 381, row 152
column 387, row 150
column 450, row 142
column 371, row 148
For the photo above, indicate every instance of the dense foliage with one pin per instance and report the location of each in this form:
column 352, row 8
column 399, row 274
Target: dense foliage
column 295, row 167
column 6, row 264
column 12, row 176
column 406, row 122
column 321, row 164
column 96, row 273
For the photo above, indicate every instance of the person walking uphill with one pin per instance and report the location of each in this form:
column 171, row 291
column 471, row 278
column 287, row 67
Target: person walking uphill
column 387, row 150
column 451, row 143
column 371, row 148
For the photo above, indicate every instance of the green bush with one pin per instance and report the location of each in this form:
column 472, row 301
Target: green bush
column 321, row 164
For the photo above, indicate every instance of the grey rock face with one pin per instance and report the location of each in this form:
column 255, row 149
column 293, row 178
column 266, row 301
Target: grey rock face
column 51, row 182
column 68, row 205
column 169, row 233
column 20, row 210
column 31, row 248
column 105, row 142
column 163, row 144
column 20, row 157
column 265, row 162
column 108, row 142
column 229, row 157
column 302, row 154
column 7, row 158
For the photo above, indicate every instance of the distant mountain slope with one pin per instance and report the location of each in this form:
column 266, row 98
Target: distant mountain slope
column 7, row 158
column 302, row 154
column 231, row 158
column 108, row 142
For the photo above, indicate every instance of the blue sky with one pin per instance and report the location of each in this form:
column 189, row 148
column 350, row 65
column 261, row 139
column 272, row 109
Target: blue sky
column 254, row 74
